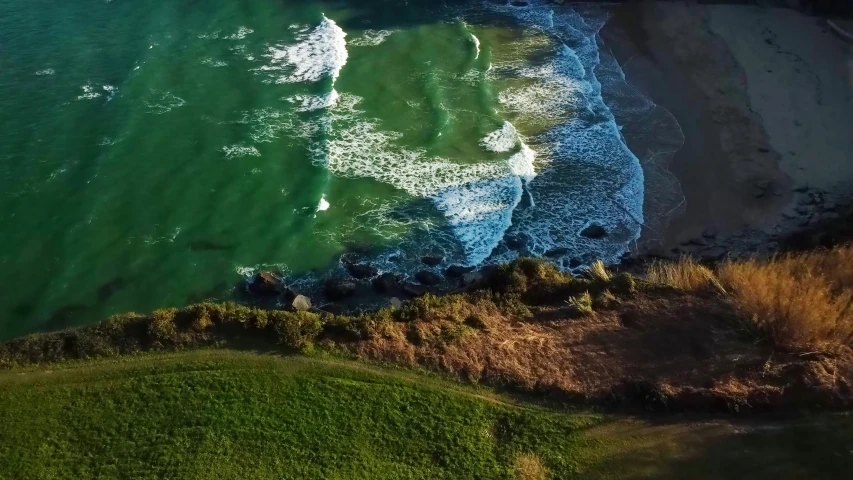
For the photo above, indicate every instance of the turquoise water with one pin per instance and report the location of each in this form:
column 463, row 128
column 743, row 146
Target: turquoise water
column 155, row 153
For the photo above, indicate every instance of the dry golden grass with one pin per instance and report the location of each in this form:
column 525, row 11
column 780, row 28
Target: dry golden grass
column 686, row 274
column 528, row 466
column 802, row 302
column 598, row 272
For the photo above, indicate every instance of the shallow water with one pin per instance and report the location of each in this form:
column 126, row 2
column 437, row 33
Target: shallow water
column 154, row 153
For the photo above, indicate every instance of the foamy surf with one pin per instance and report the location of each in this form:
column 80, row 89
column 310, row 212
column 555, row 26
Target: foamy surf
column 318, row 54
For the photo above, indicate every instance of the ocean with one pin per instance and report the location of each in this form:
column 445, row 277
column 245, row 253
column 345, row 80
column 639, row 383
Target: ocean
column 155, row 154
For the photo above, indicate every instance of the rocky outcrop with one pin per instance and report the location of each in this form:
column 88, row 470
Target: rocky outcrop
column 431, row 260
column 594, row 231
column 361, row 271
column 456, row 271
column 265, row 284
column 338, row 288
column 425, row 277
column 387, row 282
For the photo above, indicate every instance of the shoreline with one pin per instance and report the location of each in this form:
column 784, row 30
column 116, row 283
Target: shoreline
column 745, row 188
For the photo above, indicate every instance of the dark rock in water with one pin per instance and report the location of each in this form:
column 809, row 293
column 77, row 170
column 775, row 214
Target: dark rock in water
column 514, row 243
column 456, row 271
column 361, row 271
column 265, row 283
column 594, row 231
column 575, row 262
column 431, row 260
column 471, row 278
column 519, row 4
column 709, row 232
column 301, row 303
column 763, row 150
column 338, row 288
column 557, row 252
column 425, row 277
column 108, row 289
column 207, row 245
column 386, row 282
column 414, row 290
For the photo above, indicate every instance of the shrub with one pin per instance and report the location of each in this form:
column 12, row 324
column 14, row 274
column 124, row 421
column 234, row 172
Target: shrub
column 598, row 272
column 684, row 274
column 295, row 329
column 528, row 466
column 624, row 283
column 581, row 304
column 161, row 326
column 800, row 302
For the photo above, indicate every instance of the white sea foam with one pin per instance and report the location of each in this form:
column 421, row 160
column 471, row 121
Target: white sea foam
column 371, row 38
column 241, row 33
column 502, row 139
column 240, row 150
column 214, row 63
column 320, row 53
column 323, row 205
column 308, row 103
column 46, row 71
column 89, row 92
column 476, row 45
column 477, row 199
column 160, row 102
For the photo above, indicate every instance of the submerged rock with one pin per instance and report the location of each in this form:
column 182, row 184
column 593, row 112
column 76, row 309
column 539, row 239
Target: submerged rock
column 338, row 288
column 385, row 282
column 431, row 260
column 361, row 271
column 414, row 289
column 557, row 252
column 426, row 277
column 456, row 271
column 265, row 283
column 594, row 231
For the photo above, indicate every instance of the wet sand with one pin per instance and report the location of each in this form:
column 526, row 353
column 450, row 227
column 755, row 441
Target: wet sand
column 754, row 134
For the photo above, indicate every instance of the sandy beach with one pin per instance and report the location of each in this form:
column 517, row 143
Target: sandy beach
column 764, row 97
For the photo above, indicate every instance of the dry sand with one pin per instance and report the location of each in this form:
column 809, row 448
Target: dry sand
column 765, row 100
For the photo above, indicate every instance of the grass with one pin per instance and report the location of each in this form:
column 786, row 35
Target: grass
column 800, row 302
column 222, row 414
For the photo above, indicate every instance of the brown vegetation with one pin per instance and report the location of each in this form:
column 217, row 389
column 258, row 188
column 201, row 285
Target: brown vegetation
column 528, row 466
column 674, row 342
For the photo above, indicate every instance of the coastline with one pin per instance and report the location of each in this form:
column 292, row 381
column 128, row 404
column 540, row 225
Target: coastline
column 762, row 158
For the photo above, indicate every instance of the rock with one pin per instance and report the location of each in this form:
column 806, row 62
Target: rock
column 395, row 303
column 301, row 303
column 709, row 232
column 556, row 252
column 386, row 282
column 575, row 262
column 456, row 271
column 699, row 241
column 338, row 288
column 829, row 206
column 804, row 210
column 514, row 243
column 265, row 283
column 802, row 189
column 414, row 290
column 431, row 260
column 763, row 150
column 518, row 4
column 594, row 231
column 472, row 278
column 425, row 277
column 361, row 271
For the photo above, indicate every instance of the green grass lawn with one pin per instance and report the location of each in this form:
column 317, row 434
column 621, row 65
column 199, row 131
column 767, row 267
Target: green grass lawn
column 225, row 414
